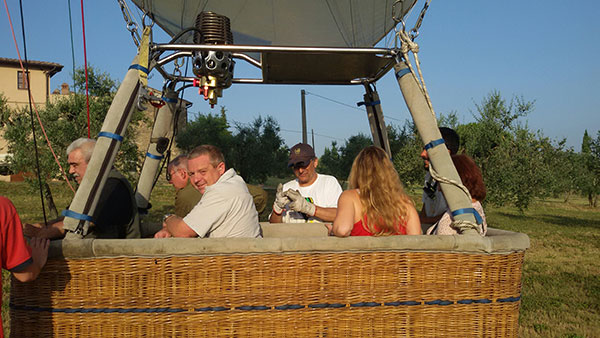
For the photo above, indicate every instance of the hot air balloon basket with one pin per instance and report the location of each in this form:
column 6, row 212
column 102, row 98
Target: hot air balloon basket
column 276, row 287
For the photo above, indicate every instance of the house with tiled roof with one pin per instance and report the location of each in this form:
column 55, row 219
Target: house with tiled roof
column 13, row 86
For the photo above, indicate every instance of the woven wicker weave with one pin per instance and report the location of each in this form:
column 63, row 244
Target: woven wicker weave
column 301, row 294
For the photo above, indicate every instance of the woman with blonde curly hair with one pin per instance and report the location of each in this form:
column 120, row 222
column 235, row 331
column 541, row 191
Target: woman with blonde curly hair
column 376, row 204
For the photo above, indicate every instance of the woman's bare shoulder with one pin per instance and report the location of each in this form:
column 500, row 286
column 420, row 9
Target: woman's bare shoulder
column 350, row 194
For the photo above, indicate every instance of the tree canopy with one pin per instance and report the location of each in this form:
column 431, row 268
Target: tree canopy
column 206, row 129
column 255, row 150
column 518, row 165
column 338, row 161
column 589, row 180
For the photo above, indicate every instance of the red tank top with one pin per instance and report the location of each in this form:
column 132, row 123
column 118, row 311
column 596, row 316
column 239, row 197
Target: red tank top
column 359, row 230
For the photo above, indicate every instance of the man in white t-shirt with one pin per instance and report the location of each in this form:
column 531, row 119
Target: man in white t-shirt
column 226, row 208
column 311, row 197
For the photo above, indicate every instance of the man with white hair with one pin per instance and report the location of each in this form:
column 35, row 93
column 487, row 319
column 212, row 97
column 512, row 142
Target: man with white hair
column 116, row 214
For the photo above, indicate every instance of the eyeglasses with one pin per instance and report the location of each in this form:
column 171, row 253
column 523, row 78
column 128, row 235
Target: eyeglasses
column 298, row 166
column 169, row 174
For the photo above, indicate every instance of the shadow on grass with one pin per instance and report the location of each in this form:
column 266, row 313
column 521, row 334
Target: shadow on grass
column 570, row 221
column 518, row 216
column 558, row 220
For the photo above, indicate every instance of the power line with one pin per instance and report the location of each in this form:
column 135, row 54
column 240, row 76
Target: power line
column 289, row 130
column 335, row 101
column 321, row 135
column 347, row 105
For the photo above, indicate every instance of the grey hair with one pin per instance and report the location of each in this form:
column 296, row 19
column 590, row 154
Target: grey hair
column 86, row 145
column 179, row 162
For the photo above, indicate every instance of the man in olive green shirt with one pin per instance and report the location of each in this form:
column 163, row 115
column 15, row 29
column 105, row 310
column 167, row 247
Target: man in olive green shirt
column 186, row 196
column 260, row 198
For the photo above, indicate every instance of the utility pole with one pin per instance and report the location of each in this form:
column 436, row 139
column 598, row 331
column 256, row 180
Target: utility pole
column 313, row 137
column 304, row 133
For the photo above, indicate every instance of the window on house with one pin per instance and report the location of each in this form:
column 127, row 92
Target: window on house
column 21, row 81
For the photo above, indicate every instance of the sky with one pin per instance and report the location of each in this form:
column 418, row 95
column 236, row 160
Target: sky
column 543, row 51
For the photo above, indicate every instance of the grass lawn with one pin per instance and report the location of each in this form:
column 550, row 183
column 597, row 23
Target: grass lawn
column 561, row 276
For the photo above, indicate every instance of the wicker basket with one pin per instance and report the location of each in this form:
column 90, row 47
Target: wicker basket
column 413, row 286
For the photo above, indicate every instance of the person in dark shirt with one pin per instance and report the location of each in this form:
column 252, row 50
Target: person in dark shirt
column 116, row 213
column 434, row 203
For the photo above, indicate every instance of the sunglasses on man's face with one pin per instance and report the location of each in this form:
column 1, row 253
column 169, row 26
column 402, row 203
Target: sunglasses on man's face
column 301, row 165
column 169, row 174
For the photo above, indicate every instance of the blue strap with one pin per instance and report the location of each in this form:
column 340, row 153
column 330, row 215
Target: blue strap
column 434, row 143
column 154, row 157
column 76, row 215
column 139, row 67
column 369, row 104
column 365, row 304
column 252, row 308
column 402, row 72
column 168, row 100
column 217, row 308
column 111, row 135
column 468, row 211
column 508, row 299
column 262, row 307
column 439, row 302
column 290, row 307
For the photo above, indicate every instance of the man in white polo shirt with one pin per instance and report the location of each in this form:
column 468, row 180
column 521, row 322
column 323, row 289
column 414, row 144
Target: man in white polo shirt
column 311, row 197
column 226, row 208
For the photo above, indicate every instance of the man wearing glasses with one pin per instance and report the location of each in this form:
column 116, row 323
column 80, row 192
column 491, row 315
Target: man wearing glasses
column 186, row 196
column 311, row 197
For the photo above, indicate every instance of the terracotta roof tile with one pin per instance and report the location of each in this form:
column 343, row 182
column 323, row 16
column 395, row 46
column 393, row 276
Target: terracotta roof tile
column 53, row 67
